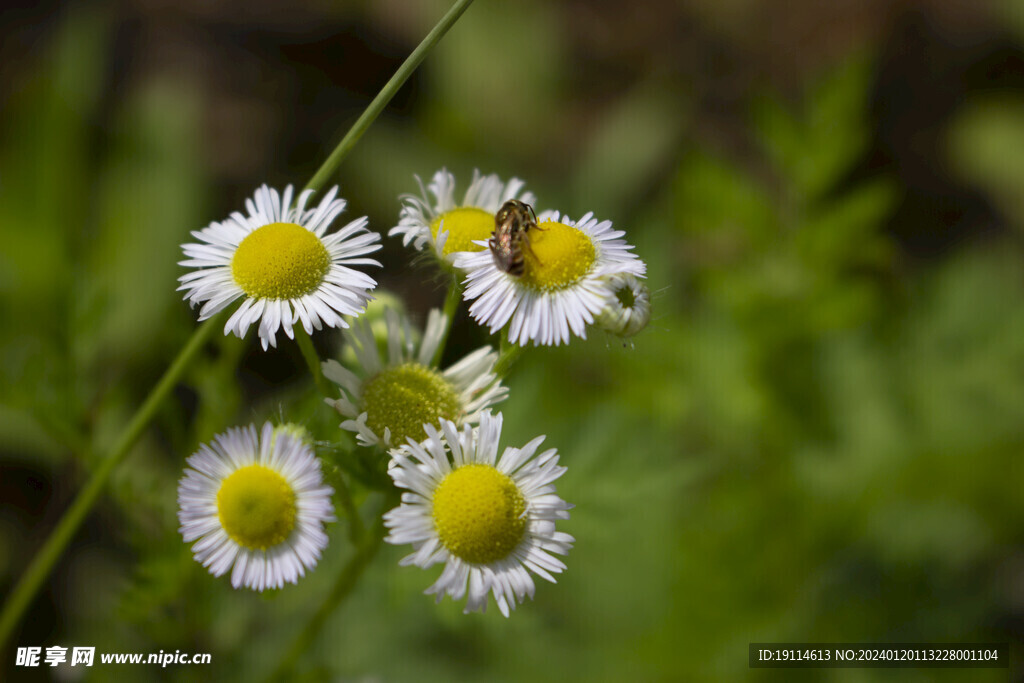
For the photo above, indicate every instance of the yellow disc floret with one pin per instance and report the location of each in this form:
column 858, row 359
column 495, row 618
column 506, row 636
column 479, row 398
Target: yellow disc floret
column 556, row 256
column 404, row 397
column 256, row 507
column 479, row 514
column 463, row 226
column 280, row 261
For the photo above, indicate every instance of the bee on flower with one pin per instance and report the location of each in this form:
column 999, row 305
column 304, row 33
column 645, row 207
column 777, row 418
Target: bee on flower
column 563, row 283
column 435, row 221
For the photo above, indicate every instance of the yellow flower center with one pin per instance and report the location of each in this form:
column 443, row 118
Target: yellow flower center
column 479, row 514
column 556, row 257
column 463, row 226
column 256, row 507
column 405, row 397
column 280, row 261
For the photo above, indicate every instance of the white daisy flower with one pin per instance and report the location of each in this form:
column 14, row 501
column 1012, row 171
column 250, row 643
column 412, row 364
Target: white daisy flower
column 279, row 259
column 490, row 521
column 448, row 227
column 392, row 398
column 629, row 308
column 564, row 283
column 255, row 502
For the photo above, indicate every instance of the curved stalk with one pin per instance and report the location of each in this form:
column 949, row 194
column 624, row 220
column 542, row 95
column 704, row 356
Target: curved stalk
column 47, row 555
column 42, row 564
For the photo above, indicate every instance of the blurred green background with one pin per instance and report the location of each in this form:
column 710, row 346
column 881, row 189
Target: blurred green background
column 818, row 438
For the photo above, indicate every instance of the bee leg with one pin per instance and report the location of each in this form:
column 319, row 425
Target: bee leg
column 526, row 243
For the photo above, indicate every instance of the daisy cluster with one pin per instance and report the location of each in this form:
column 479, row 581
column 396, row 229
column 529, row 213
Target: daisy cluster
column 254, row 502
column 574, row 269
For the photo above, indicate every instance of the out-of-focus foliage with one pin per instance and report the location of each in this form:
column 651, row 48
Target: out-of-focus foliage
column 816, row 439
column 981, row 143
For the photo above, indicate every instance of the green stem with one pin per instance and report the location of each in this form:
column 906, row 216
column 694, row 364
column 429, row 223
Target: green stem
column 364, row 554
column 508, row 355
column 343, row 586
column 385, row 95
column 46, row 557
column 451, row 305
column 44, row 560
column 309, row 354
